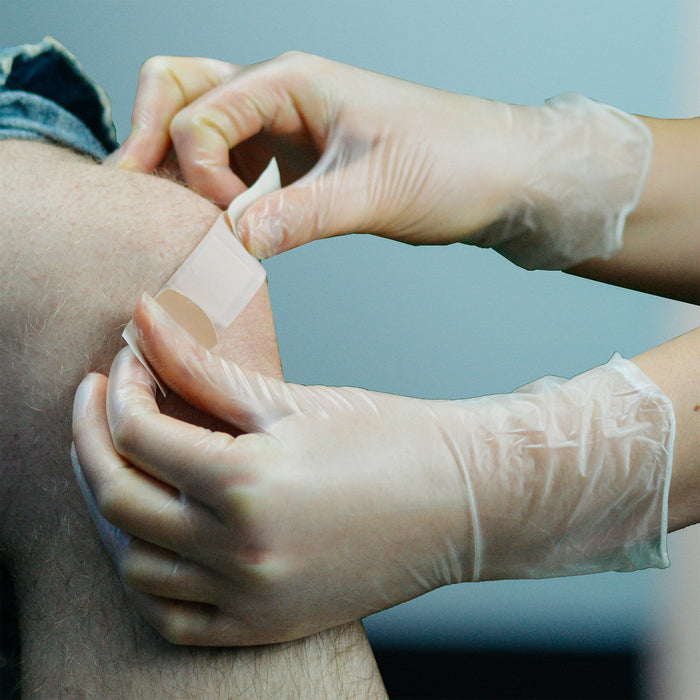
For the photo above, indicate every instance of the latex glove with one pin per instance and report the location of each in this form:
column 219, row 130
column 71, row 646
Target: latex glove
column 339, row 502
column 552, row 185
column 166, row 84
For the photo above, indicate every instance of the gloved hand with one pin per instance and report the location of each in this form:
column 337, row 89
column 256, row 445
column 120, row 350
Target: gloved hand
column 547, row 186
column 338, row 502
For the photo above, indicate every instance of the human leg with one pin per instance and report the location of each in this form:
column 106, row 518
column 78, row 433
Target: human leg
column 79, row 242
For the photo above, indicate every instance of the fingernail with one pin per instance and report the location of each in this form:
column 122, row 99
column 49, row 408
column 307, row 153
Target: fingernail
column 153, row 310
column 265, row 235
column 153, row 307
column 112, row 160
column 81, row 400
column 121, row 159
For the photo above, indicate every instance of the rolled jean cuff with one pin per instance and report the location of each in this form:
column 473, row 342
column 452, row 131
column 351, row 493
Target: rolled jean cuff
column 45, row 95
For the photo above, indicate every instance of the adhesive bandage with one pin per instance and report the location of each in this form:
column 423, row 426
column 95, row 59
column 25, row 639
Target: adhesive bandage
column 219, row 277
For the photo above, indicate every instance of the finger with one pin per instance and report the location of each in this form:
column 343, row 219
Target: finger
column 166, row 85
column 114, row 539
column 157, row 571
column 198, row 463
column 275, row 96
column 196, row 624
column 332, row 199
column 248, row 400
column 123, row 496
column 298, row 214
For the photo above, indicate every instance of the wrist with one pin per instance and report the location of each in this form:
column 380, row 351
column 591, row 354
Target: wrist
column 673, row 366
column 581, row 168
column 565, row 477
column 491, row 163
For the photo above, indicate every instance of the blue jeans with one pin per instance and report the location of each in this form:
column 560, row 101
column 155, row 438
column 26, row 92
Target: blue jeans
column 45, row 95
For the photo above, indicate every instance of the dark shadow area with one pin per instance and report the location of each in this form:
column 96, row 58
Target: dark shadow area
column 491, row 675
column 411, row 674
column 9, row 639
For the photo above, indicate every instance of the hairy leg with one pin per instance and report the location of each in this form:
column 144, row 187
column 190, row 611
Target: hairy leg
column 79, row 242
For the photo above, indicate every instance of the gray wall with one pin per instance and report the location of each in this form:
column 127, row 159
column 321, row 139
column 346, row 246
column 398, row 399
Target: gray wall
column 450, row 322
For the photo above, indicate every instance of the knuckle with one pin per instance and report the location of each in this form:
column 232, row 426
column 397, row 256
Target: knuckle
column 253, row 493
column 128, row 570
column 261, row 571
column 110, row 501
column 156, row 66
column 255, row 554
column 192, row 122
column 300, row 62
column 125, row 434
column 174, row 626
column 181, row 122
column 245, row 504
column 294, row 56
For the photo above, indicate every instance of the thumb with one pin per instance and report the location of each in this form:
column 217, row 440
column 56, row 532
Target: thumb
column 332, row 199
column 245, row 399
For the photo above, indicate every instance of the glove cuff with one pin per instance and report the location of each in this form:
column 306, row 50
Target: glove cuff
column 574, row 476
column 585, row 169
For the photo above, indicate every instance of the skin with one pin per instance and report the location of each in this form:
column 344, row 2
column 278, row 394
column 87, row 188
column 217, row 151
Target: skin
column 662, row 235
column 675, row 368
column 80, row 241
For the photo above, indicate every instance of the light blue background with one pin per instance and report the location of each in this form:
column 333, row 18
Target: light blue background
column 450, row 322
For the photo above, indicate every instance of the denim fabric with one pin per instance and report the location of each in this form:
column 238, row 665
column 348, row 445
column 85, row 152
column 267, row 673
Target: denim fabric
column 46, row 96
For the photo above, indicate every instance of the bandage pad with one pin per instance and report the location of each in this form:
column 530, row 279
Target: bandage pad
column 190, row 316
column 217, row 280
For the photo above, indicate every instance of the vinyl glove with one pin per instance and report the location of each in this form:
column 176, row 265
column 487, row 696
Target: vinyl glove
column 338, row 502
column 587, row 166
column 546, row 186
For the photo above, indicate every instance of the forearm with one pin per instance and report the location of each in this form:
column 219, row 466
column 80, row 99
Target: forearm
column 661, row 242
column 675, row 368
column 599, row 467
column 584, row 475
column 79, row 243
column 624, row 452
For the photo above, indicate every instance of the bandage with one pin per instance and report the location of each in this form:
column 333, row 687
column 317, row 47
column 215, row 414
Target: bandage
column 219, row 277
